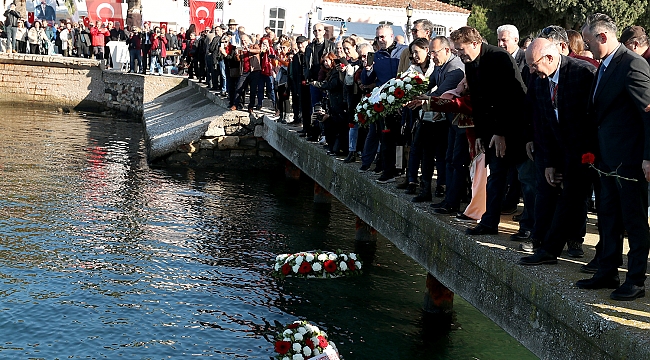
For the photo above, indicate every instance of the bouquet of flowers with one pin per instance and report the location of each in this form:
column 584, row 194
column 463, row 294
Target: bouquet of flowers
column 317, row 264
column 390, row 97
column 301, row 340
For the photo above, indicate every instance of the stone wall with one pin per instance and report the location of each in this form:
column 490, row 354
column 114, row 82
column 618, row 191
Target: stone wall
column 80, row 84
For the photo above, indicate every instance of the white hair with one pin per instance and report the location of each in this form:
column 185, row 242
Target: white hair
column 509, row 28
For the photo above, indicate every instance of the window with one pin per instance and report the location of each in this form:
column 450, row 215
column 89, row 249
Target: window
column 333, row 18
column 276, row 20
column 385, row 23
column 439, row 30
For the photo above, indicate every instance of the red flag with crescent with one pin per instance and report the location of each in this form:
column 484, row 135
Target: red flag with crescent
column 105, row 10
column 202, row 14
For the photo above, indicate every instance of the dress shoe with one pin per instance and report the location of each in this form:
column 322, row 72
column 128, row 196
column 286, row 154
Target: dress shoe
column 439, row 205
column 463, row 217
column 530, row 246
column 422, row 197
column 402, row 184
column 575, row 249
column 538, row 258
column 411, row 189
column 521, row 235
column 628, row 292
column 509, row 210
column 352, row 157
column 312, row 138
column 517, row 218
column 384, row 179
column 481, row 230
column 590, row 267
column 440, row 191
column 611, row 282
column 446, row 211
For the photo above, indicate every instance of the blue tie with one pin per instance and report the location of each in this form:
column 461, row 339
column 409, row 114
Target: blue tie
column 601, row 71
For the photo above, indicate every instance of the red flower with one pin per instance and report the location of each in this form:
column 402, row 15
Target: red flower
column 305, row 268
column 378, row 107
column 286, row 269
column 386, row 131
column 351, row 265
column 293, row 326
column 588, row 158
column 418, row 80
column 360, row 117
column 330, row 266
column 351, row 125
column 322, row 342
column 367, row 95
column 399, row 93
column 282, row 347
column 309, row 343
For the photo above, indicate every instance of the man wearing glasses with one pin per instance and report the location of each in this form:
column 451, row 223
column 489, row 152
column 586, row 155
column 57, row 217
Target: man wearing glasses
column 422, row 28
column 313, row 54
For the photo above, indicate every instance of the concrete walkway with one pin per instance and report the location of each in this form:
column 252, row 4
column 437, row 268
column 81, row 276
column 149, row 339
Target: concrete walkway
column 539, row 306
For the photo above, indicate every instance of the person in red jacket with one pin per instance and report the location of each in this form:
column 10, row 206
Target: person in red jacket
column 158, row 51
column 97, row 34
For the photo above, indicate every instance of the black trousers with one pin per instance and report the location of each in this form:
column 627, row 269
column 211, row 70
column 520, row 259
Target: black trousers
column 457, row 162
column 146, row 58
column 624, row 207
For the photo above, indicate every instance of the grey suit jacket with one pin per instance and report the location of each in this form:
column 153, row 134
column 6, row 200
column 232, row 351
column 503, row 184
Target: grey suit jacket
column 618, row 109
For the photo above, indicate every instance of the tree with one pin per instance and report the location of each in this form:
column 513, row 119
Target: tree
column 133, row 13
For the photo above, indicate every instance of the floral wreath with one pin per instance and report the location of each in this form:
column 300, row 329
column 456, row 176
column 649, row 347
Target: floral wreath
column 390, row 97
column 317, row 264
column 301, row 340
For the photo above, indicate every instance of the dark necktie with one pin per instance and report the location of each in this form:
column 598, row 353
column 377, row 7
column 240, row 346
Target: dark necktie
column 601, row 71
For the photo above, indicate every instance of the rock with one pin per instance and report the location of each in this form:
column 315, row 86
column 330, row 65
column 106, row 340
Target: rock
column 248, row 142
column 228, row 142
column 259, row 131
column 188, row 148
column 209, row 143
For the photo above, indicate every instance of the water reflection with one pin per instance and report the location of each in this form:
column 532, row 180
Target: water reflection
column 101, row 256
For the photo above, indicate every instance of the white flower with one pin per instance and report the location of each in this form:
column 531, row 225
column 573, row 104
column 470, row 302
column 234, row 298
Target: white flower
column 399, row 83
column 309, row 257
column 333, row 257
column 296, row 347
column 315, row 340
column 306, row 350
column 391, row 89
column 382, row 96
column 353, row 256
column 289, row 258
column 313, row 328
column 369, row 112
column 408, row 87
column 295, row 268
column 343, row 266
column 299, row 259
column 298, row 336
column 298, row 356
column 322, row 257
column 302, row 330
column 392, row 82
column 390, row 99
column 277, row 267
column 407, row 79
column 357, row 264
column 317, row 267
column 365, row 106
column 287, row 332
column 281, row 257
column 316, row 352
column 344, row 257
column 286, row 339
column 286, row 358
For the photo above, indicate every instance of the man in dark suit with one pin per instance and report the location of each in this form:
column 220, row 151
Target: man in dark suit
column 559, row 96
column 620, row 106
column 635, row 39
column 493, row 76
column 45, row 12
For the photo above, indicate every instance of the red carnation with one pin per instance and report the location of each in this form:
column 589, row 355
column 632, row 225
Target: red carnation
column 309, row 343
column 351, row 265
column 588, row 158
column 378, row 107
column 399, row 93
column 418, row 80
column 367, row 95
column 282, row 347
column 351, row 125
column 330, row 266
column 293, row 326
column 305, row 268
column 386, row 131
column 286, row 269
column 322, row 342
column 360, row 117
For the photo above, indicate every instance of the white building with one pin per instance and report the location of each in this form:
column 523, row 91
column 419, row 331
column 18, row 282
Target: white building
column 291, row 16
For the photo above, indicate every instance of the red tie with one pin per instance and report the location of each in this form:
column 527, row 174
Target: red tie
column 554, row 97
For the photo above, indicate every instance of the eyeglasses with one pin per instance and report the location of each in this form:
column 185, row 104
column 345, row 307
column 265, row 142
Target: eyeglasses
column 534, row 64
column 435, row 52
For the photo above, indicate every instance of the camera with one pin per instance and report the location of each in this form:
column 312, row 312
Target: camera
column 318, row 113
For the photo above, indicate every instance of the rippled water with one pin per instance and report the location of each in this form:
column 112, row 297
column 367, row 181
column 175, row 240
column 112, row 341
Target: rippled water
column 104, row 257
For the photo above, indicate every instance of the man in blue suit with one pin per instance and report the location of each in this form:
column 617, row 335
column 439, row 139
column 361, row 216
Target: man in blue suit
column 45, row 12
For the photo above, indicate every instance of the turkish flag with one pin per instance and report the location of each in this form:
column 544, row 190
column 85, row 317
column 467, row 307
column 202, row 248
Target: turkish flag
column 30, row 17
column 105, row 10
column 202, row 14
column 86, row 21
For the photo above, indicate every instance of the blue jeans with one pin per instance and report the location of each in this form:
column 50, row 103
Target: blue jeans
column 136, row 54
column 316, row 95
column 11, row 38
column 155, row 65
column 222, row 71
column 371, row 146
column 209, row 66
column 265, row 81
column 353, row 136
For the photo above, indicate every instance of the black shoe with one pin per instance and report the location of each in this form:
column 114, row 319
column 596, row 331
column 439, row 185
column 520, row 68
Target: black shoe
column 481, row 230
column 517, row 218
column 463, row 217
column 378, row 170
column 303, row 131
column 302, row 135
column 440, row 191
column 591, row 267
column 352, row 157
column 628, row 292
column 530, row 246
column 422, row 198
column 538, row 258
column 575, row 249
column 331, row 153
column 384, row 179
column 402, row 185
column 509, row 211
column 364, row 168
column 411, row 189
column 446, row 211
column 312, row 138
column 439, row 205
column 521, row 235
column 594, row 283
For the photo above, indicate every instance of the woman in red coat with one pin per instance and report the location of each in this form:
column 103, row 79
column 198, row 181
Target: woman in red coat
column 158, row 51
